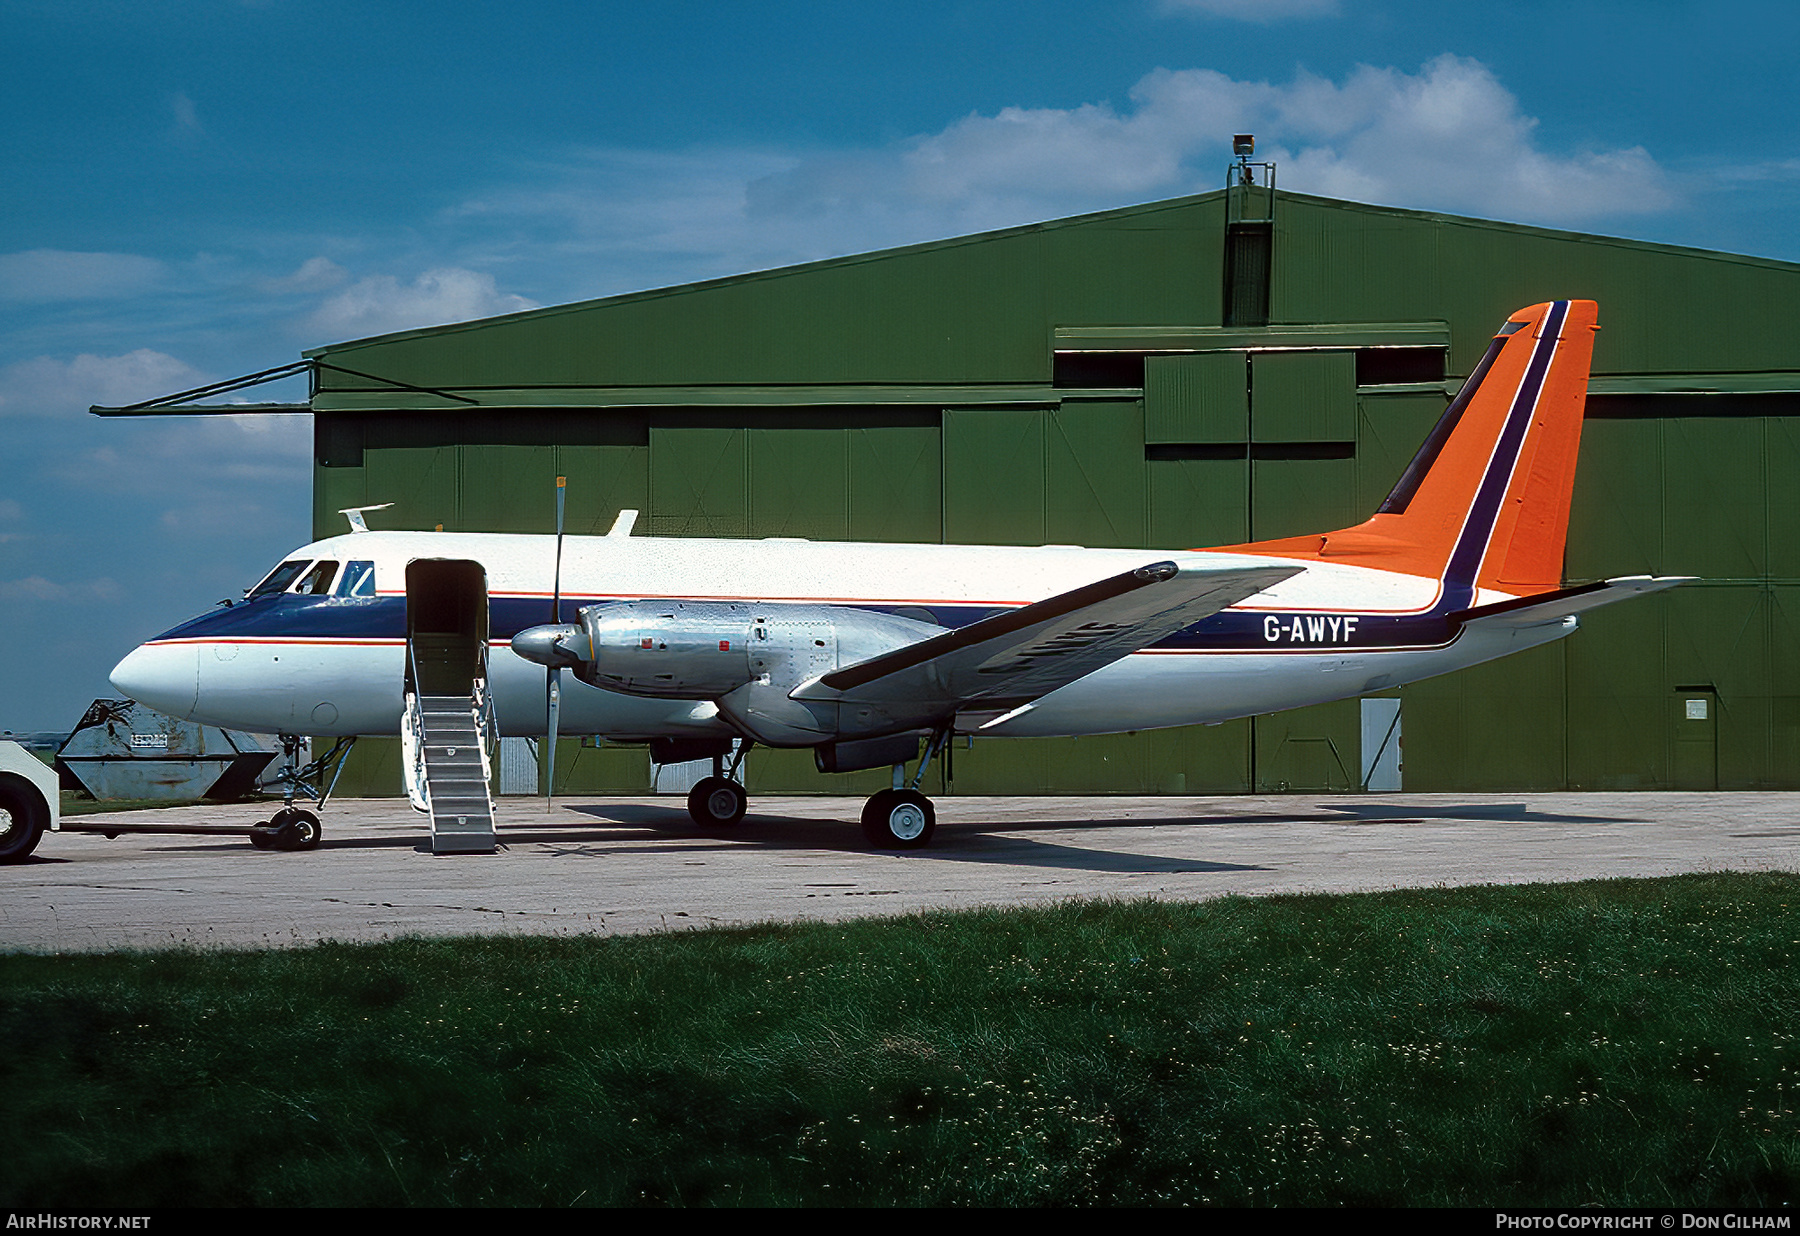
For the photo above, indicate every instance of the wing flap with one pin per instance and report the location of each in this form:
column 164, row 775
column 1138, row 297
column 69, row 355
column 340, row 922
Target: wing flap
column 1004, row 662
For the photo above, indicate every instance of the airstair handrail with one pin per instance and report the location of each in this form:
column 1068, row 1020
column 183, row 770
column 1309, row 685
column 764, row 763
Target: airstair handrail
column 487, row 726
column 412, row 739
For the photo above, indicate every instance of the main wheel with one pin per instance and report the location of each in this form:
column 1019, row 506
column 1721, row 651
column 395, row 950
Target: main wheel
column 899, row 820
column 23, row 818
column 715, row 802
column 293, row 829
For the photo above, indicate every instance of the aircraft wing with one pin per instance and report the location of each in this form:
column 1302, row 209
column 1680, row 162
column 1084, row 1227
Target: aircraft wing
column 1552, row 607
column 1009, row 659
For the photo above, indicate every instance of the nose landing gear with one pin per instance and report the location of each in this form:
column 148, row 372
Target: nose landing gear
column 290, row 829
column 293, row 828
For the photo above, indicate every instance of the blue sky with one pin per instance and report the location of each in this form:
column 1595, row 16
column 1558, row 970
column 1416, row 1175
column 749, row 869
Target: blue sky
column 201, row 188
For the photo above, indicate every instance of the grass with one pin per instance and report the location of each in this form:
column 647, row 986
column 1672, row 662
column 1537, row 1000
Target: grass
column 1620, row 1043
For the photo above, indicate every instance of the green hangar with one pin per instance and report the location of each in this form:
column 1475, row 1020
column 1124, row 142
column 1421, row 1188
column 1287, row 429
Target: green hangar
column 1235, row 366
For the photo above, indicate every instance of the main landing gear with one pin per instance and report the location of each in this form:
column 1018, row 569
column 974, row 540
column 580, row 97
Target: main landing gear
column 900, row 818
column 719, row 801
column 293, row 828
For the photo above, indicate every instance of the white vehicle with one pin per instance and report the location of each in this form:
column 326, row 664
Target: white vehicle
column 29, row 802
column 863, row 652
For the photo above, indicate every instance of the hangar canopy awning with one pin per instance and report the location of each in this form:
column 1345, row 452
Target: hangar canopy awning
column 178, row 404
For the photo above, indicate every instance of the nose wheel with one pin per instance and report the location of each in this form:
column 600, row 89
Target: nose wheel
column 290, row 829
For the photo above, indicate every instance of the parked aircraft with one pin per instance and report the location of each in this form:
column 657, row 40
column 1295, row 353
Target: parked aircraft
column 867, row 653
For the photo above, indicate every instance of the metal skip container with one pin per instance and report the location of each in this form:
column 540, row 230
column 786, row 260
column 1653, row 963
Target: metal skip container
column 123, row 751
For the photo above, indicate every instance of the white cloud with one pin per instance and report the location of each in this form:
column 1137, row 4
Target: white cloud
column 37, row 588
column 199, row 459
column 1775, row 170
column 48, row 275
column 1453, row 138
column 1448, row 137
column 611, row 220
column 316, row 274
column 382, row 303
column 1261, row 11
column 45, row 386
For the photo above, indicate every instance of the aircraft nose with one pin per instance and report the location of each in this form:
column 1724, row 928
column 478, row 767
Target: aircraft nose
column 160, row 676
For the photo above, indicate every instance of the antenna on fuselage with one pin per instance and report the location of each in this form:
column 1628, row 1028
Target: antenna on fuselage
column 553, row 674
column 355, row 515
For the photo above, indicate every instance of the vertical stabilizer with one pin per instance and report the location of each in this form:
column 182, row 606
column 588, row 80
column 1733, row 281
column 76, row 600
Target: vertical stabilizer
column 1485, row 502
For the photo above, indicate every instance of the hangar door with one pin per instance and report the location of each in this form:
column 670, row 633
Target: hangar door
column 1246, row 445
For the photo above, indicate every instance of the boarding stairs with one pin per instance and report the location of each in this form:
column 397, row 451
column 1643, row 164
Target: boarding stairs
column 454, row 772
column 448, row 733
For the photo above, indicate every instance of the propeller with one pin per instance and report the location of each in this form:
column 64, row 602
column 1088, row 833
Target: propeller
column 553, row 674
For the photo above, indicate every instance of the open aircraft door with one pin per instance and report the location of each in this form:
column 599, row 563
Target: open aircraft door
column 449, row 727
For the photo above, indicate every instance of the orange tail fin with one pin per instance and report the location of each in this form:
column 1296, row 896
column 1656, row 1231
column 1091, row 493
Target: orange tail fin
column 1485, row 502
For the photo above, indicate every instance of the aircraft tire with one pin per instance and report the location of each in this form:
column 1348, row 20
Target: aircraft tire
column 715, row 802
column 260, row 838
column 23, row 816
column 899, row 820
column 293, row 829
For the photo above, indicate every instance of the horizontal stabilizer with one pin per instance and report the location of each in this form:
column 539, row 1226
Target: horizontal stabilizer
column 1017, row 656
column 1552, row 607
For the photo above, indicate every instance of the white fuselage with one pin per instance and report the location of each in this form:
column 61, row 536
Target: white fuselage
column 334, row 665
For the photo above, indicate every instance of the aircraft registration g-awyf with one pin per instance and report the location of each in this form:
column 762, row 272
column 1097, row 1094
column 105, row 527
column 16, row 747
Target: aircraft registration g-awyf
column 864, row 651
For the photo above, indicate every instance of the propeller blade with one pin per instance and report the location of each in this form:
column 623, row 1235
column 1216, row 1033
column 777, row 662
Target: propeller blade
column 552, row 721
column 562, row 489
column 553, row 675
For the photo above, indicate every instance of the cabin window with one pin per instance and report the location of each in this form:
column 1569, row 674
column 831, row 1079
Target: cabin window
column 278, row 580
column 317, row 582
column 358, row 580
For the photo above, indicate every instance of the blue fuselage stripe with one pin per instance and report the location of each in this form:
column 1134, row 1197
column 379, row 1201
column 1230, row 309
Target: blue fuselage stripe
column 383, row 619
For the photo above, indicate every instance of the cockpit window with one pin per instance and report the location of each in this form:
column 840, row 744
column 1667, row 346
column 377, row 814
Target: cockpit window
column 358, row 580
column 279, row 579
column 317, row 581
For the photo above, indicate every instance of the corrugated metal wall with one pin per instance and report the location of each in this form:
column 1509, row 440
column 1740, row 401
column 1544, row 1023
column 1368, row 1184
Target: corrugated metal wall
column 910, row 396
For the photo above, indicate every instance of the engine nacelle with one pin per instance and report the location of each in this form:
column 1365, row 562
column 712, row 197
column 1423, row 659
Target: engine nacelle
column 689, row 650
column 702, row 650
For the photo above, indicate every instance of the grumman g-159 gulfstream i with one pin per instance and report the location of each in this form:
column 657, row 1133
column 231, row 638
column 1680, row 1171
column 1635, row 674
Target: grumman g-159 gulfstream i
column 877, row 655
